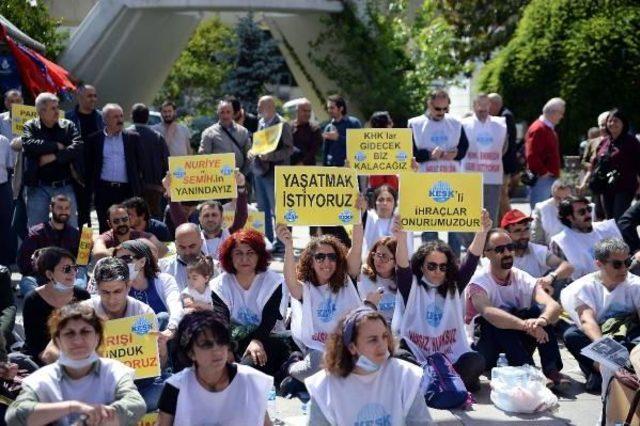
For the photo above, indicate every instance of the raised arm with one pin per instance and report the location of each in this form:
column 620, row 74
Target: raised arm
column 477, row 245
column 404, row 276
column 241, row 213
column 354, row 255
column 289, row 268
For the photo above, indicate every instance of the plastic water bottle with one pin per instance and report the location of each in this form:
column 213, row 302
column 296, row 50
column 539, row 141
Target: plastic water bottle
column 271, row 403
column 502, row 360
column 305, row 408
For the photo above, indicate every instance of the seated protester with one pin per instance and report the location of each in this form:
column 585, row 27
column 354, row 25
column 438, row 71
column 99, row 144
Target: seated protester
column 433, row 287
column 80, row 387
column 8, row 311
column 140, row 219
column 377, row 223
column 322, row 292
column 56, row 232
column 197, row 296
column 121, row 231
column 112, row 280
column 628, row 224
column 250, row 294
column 150, row 286
column 502, row 300
column 188, row 249
column 210, row 216
column 361, row 382
column 535, row 259
column 59, row 267
column 607, row 302
column 212, row 389
column 546, row 222
column 579, row 235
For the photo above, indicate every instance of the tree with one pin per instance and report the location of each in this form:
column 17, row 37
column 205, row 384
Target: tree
column 257, row 63
column 588, row 53
column 32, row 18
column 195, row 80
column 382, row 60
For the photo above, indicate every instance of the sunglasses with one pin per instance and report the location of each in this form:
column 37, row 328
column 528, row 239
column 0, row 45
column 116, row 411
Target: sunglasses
column 432, row 266
column 210, row 344
column 67, row 269
column 617, row 264
column 320, row 257
column 503, row 247
column 584, row 210
column 117, row 220
column 383, row 257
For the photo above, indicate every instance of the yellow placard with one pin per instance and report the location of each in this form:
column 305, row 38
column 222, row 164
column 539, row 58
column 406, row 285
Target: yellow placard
column 130, row 341
column 149, row 419
column 379, row 151
column 266, row 140
column 84, row 248
column 316, row 196
column 202, row 177
column 441, row 201
column 254, row 221
column 20, row 114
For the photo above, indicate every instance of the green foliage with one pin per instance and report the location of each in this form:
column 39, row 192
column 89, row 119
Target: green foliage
column 382, row 60
column 196, row 78
column 587, row 52
column 32, row 18
column 258, row 62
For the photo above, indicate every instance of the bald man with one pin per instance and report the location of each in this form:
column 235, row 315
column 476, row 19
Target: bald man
column 188, row 248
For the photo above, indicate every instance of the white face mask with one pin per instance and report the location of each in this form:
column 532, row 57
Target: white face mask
column 133, row 272
column 77, row 363
column 369, row 366
column 60, row 287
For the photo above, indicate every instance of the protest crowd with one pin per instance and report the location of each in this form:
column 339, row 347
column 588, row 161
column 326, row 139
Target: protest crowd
column 170, row 303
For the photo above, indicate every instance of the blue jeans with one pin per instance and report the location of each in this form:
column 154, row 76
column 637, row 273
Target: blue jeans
column 150, row 389
column 163, row 320
column 265, row 194
column 541, row 190
column 38, row 199
column 28, row 283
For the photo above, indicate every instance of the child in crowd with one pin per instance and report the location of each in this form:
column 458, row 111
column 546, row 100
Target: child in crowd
column 197, row 295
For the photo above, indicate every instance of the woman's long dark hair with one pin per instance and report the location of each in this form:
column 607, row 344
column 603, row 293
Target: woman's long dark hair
column 451, row 276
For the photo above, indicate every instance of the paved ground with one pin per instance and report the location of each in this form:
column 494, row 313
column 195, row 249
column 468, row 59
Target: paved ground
column 576, row 407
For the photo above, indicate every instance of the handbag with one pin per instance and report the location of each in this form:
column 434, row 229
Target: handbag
column 603, row 175
column 528, row 178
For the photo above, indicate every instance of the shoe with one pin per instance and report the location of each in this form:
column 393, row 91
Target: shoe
column 558, row 381
column 291, row 388
column 594, row 383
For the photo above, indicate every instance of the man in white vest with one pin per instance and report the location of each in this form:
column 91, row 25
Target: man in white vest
column 189, row 244
column 580, row 234
column 605, row 298
column 504, row 302
column 535, row 259
column 546, row 222
column 487, row 137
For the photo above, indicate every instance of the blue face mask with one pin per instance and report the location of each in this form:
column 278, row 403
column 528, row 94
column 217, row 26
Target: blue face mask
column 60, row 287
column 369, row 366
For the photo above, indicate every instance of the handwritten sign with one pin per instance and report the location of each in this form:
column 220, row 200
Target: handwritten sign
column 379, row 151
column 130, row 341
column 266, row 140
column 202, row 177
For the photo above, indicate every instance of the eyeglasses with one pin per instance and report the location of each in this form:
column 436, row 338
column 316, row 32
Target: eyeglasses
column 320, row 257
column 210, row 344
column 67, row 269
column 117, row 220
column 584, row 210
column 501, row 248
column 432, row 266
column 383, row 257
column 617, row 264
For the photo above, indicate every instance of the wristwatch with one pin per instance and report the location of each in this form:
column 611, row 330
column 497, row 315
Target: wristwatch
column 553, row 276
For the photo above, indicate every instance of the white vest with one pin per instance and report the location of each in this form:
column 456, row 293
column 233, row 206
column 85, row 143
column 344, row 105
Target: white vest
column 387, row 304
column 242, row 403
column 517, row 295
column 548, row 217
column 486, row 141
column 429, row 134
column 313, row 319
column 534, row 260
column 578, row 246
column 246, row 306
column 211, row 246
column 381, row 398
column 432, row 323
column 376, row 228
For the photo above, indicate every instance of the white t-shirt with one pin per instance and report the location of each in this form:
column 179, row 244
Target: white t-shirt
column 211, row 246
column 624, row 299
column 534, row 260
column 486, row 141
column 546, row 212
column 387, row 304
column 134, row 307
column 429, row 134
column 381, row 398
column 204, row 297
column 376, row 228
column 517, row 294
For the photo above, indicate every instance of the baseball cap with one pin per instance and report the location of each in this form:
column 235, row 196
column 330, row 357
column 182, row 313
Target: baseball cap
column 514, row 216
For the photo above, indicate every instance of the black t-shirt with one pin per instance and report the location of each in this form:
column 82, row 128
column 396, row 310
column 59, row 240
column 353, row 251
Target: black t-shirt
column 88, row 124
column 36, row 313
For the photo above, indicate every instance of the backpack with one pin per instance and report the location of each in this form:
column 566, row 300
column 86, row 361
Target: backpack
column 441, row 385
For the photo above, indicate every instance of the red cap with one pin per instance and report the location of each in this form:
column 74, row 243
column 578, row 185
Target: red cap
column 514, row 216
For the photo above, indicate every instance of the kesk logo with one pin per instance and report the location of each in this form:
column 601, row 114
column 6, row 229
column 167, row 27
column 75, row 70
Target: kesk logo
column 291, row 216
column 326, row 309
column 401, row 156
column 484, row 139
column 345, row 216
column 433, row 316
column 179, row 173
column 360, row 156
column 247, row 317
column 142, row 326
column 441, row 192
column 226, row 170
column 373, row 414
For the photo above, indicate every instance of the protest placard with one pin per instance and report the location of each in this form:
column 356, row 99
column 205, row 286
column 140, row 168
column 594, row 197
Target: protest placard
column 441, row 201
column 316, row 196
column 254, row 221
column 84, row 248
column 20, row 114
column 266, row 140
column 202, row 177
column 379, row 151
column 130, row 341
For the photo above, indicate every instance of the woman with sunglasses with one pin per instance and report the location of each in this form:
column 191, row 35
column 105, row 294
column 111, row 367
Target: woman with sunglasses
column 322, row 292
column 212, row 390
column 80, row 387
column 148, row 285
column 361, row 383
column 59, row 268
column 433, row 317
column 250, row 295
